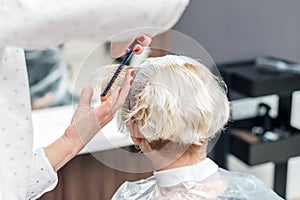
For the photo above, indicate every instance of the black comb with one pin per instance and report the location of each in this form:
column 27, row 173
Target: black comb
column 119, row 69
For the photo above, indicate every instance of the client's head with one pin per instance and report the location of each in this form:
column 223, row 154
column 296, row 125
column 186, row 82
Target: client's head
column 174, row 100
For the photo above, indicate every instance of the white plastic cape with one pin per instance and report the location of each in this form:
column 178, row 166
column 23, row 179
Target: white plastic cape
column 201, row 181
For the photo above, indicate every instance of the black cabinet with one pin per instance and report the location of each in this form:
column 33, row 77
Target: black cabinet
column 246, row 79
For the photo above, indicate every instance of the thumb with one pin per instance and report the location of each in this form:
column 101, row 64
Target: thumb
column 86, row 96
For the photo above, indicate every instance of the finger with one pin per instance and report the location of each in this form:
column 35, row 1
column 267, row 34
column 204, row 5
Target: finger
column 115, row 95
column 104, row 112
column 144, row 40
column 138, row 49
column 124, row 91
column 118, row 49
column 86, row 96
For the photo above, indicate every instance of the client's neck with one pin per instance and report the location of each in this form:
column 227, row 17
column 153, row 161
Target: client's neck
column 191, row 156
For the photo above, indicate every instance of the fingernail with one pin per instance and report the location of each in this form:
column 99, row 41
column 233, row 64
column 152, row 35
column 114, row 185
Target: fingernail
column 141, row 38
column 132, row 73
column 131, row 81
column 137, row 49
column 120, row 90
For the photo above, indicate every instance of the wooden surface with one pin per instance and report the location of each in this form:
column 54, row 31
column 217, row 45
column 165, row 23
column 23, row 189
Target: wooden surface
column 87, row 178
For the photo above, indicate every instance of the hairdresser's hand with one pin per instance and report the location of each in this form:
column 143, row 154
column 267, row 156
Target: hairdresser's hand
column 118, row 49
column 89, row 120
column 86, row 122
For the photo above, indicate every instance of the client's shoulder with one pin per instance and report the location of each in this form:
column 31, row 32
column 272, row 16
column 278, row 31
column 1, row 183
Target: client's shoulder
column 235, row 176
column 246, row 185
column 136, row 189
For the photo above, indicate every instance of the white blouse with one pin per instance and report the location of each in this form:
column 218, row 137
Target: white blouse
column 34, row 24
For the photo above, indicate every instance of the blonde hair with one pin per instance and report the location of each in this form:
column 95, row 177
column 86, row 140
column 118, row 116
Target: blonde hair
column 176, row 99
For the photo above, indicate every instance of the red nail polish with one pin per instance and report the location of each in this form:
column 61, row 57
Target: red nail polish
column 141, row 39
column 131, row 81
column 132, row 73
column 137, row 49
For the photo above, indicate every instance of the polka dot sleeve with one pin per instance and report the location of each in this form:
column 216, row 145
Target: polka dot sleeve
column 41, row 24
column 42, row 177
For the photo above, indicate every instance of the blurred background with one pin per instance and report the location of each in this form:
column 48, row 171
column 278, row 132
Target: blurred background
column 256, row 46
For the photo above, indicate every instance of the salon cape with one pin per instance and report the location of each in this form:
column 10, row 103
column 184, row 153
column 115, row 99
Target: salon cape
column 201, row 181
column 35, row 24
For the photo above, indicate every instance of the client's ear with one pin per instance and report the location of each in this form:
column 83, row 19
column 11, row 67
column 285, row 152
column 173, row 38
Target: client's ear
column 134, row 132
column 136, row 140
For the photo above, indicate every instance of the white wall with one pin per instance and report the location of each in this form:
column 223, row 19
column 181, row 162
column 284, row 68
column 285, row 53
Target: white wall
column 240, row 29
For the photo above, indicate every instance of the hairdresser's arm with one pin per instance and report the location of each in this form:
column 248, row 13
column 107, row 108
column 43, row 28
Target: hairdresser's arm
column 86, row 122
column 41, row 24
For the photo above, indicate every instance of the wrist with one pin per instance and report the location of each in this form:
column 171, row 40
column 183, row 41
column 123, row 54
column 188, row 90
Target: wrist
column 65, row 148
column 72, row 143
column 62, row 151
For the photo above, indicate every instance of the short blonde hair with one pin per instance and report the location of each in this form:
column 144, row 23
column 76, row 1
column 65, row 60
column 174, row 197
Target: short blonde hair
column 176, row 99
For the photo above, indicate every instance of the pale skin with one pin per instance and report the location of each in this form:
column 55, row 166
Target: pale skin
column 193, row 155
column 88, row 120
column 118, row 48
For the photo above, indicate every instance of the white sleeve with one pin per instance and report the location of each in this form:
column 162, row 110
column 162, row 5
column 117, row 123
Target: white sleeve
column 33, row 24
column 42, row 177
